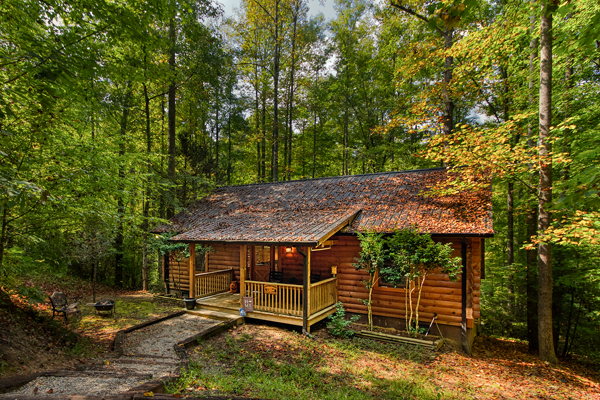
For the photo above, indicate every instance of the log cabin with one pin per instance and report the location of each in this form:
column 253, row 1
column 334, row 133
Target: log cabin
column 292, row 247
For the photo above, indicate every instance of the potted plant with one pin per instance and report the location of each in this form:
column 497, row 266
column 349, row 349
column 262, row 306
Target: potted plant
column 190, row 303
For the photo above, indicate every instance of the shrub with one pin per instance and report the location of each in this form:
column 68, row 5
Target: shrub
column 338, row 324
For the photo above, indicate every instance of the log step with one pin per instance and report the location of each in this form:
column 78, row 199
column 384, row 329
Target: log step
column 432, row 345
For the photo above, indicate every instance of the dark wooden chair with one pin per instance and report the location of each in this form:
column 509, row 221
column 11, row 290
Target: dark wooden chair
column 60, row 305
column 276, row 276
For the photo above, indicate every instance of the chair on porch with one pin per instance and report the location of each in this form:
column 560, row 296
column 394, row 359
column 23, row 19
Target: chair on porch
column 276, row 276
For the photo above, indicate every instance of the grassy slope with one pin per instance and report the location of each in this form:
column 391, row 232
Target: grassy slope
column 274, row 363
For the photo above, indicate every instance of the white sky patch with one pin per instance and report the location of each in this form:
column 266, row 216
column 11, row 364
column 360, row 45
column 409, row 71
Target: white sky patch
column 315, row 7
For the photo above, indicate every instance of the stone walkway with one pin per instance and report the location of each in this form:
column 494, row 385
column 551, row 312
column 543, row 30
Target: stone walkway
column 148, row 354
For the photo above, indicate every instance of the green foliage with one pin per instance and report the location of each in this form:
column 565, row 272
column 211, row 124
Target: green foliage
column 372, row 254
column 33, row 295
column 338, row 324
column 413, row 254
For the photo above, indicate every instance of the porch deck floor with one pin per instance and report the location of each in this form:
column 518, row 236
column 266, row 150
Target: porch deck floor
column 230, row 302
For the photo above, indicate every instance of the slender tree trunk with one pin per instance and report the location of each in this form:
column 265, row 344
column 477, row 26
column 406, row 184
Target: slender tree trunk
column 546, row 342
column 291, row 100
column 229, row 150
column 569, row 321
column 275, row 155
column 121, row 189
column 314, row 160
column 531, row 219
column 532, row 324
column 171, row 117
column 448, row 65
column 3, row 237
column 256, row 116
column 94, row 275
column 264, row 133
column 146, row 212
column 217, row 132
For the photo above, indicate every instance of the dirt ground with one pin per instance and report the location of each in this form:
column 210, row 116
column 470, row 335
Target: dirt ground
column 498, row 369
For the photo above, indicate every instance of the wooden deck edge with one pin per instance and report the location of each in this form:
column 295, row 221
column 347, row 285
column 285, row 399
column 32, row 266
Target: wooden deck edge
column 284, row 319
column 318, row 316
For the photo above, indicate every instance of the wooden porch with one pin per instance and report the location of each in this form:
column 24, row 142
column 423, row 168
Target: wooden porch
column 230, row 303
column 301, row 305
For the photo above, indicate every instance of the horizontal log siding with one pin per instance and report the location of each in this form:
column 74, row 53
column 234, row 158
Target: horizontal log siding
column 179, row 277
column 439, row 295
column 225, row 256
column 320, row 263
column 291, row 265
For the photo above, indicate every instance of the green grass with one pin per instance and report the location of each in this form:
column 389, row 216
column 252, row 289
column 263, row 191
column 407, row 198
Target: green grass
column 305, row 369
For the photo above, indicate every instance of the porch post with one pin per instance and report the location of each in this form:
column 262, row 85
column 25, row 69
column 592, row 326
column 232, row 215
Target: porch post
column 192, row 269
column 305, row 280
column 308, row 251
column 243, row 264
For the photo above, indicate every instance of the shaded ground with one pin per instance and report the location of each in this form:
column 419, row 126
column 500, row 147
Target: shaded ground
column 30, row 342
column 275, row 363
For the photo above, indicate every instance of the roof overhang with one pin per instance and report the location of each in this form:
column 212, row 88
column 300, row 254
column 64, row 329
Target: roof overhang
column 297, row 228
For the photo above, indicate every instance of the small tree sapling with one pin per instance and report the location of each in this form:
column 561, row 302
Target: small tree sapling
column 413, row 257
column 372, row 257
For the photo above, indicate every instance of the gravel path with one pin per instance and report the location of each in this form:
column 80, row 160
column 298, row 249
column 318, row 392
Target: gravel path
column 158, row 340
column 148, row 353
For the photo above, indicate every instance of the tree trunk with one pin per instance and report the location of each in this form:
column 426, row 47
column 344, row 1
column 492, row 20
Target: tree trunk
column 275, row 155
column 314, row 166
column 256, row 105
column 3, row 237
column 532, row 324
column 448, row 103
column 146, row 211
column 171, row 117
column 229, row 150
column 291, row 98
column 546, row 342
column 121, row 189
column 531, row 225
column 264, row 134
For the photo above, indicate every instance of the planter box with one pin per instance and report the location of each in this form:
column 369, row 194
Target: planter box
column 428, row 344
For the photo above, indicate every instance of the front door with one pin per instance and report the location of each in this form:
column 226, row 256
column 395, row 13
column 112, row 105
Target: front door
column 265, row 259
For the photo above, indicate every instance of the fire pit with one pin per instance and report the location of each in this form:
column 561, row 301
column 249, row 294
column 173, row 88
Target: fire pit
column 105, row 305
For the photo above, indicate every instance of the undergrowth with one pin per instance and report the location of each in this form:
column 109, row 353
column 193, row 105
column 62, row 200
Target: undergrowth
column 300, row 368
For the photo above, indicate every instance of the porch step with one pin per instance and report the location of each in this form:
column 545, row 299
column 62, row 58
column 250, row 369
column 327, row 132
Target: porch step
column 213, row 314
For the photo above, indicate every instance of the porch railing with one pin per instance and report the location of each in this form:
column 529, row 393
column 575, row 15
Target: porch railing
column 279, row 298
column 209, row 283
column 323, row 294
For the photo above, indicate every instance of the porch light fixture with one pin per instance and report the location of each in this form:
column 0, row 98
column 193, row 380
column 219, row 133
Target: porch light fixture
column 288, row 249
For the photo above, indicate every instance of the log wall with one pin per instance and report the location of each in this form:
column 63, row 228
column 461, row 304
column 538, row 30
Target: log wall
column 439, row 295
column 179, row 277
column 292, row 264
column 225, row 256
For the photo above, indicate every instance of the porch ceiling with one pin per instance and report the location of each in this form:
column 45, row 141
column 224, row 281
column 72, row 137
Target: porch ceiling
column 277, row 226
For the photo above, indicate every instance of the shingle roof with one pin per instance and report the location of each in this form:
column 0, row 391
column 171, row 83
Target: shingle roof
column 307, row 210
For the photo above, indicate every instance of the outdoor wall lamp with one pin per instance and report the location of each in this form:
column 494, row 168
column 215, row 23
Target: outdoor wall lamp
column 288, row 249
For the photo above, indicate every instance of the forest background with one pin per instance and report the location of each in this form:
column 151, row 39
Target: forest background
column 114, row 115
